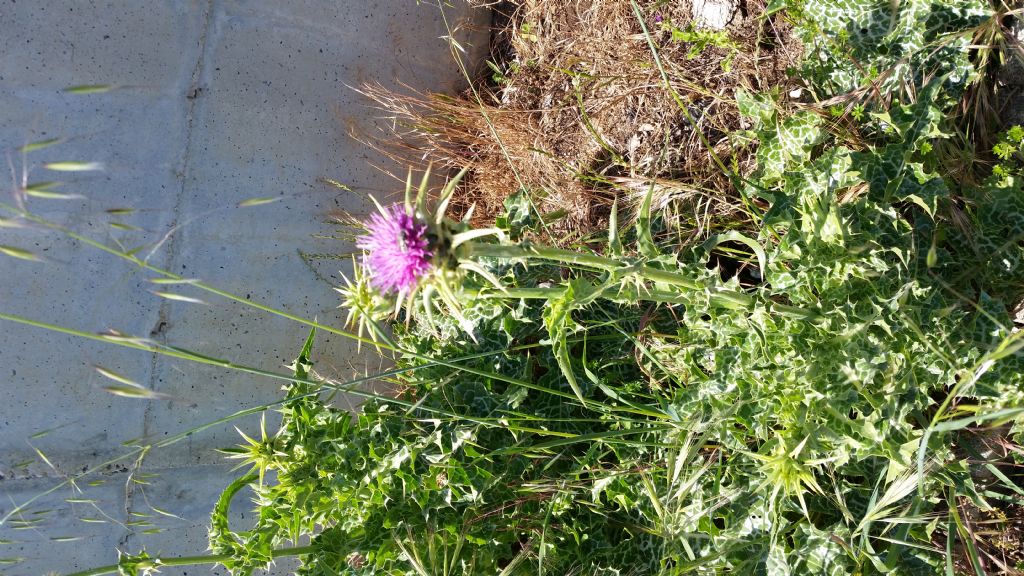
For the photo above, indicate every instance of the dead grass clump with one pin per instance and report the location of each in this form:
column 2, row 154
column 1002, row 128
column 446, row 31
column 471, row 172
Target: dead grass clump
column 577, row 111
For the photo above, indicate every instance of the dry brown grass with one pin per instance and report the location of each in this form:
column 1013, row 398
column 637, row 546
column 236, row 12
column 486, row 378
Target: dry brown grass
column 583, row 116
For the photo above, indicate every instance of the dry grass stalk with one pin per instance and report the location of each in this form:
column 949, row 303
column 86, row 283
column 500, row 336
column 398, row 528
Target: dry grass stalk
column 582, row 115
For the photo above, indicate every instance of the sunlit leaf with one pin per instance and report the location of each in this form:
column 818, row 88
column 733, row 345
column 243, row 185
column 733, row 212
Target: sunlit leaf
column 89, row 89
column 73, row 166
column 115, row 376
column 123, row 226
column 33, row 146
column 128, row 391
column 258, row 201
column 179, row 297
column 19, row 253
column 49, row 195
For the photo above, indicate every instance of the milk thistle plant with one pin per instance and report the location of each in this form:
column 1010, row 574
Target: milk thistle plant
column 815, row 418
column 409, row 251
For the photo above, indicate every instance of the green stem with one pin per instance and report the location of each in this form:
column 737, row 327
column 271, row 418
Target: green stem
column 522, row 252
column 625, row 295
column 724, row 298
column 194, row 560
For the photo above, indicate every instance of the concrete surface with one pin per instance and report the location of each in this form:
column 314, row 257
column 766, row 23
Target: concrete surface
column 215, row 103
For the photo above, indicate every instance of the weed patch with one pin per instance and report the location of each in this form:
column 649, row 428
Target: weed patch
column 777, row 333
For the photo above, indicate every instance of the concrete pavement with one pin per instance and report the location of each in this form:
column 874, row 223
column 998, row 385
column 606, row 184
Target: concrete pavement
column 215, row 102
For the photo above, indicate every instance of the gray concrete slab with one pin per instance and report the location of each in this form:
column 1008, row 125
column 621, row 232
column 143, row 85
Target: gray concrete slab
column 68, row 530
column 215, row 102
column 44, row 48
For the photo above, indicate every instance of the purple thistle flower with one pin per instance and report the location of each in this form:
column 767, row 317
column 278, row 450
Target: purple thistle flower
column 397, row 250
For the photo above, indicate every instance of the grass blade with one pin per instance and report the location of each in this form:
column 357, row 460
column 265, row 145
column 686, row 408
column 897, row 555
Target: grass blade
column 258, row 201
column 179, row 297
column 89, row 89
column 73, row 166
column 19, row 253
column 33, row 146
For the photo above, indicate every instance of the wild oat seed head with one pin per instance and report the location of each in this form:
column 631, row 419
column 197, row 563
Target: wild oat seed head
column 397, row 250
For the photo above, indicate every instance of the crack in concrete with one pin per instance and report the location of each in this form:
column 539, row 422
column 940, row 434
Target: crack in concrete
column 163, row 323
column 9, row 475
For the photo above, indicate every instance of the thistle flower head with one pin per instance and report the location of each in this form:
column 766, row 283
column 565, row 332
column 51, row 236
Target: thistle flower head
column 397, row 250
